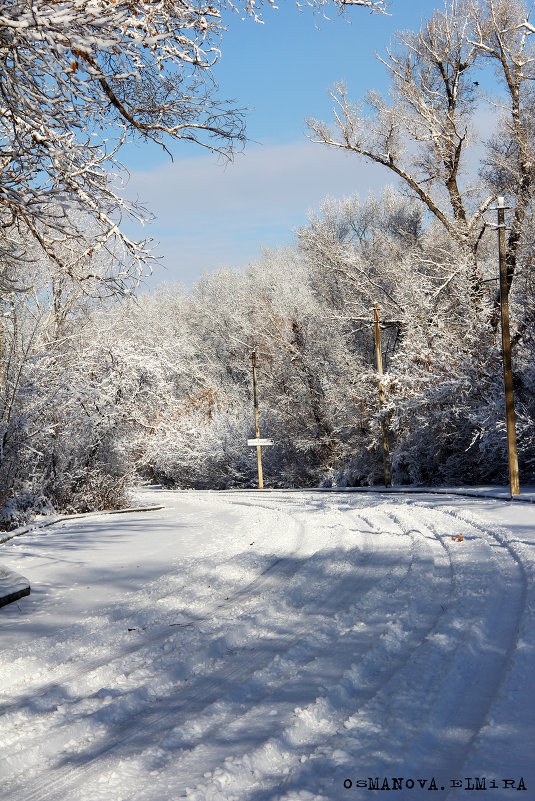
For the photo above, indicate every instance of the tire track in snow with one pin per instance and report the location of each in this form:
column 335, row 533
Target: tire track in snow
column 392, row 584
column 284, row 566
column 462, row 684
column 252, row 725
column 361, row 684
column 280, row 569
column 93, row 517
column 451, row 707
column 386, row 692
column 500, row 628
column 205, row 690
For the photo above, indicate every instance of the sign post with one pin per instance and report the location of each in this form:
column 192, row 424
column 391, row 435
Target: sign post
column 257, row 441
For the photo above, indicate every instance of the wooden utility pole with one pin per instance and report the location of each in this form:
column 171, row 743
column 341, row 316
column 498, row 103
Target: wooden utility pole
column 506, row 350
column 384, row 427
column 257, row 425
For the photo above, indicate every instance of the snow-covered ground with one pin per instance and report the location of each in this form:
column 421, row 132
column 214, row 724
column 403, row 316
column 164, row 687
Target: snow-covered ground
column 273, row 646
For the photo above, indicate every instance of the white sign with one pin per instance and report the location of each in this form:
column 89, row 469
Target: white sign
column 260, row 441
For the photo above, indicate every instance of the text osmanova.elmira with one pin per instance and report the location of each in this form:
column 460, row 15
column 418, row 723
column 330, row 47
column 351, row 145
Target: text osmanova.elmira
column 466, row 783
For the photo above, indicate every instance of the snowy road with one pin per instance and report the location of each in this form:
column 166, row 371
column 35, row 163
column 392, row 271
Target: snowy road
column 273, row 646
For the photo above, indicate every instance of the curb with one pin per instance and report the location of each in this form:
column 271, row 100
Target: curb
column 467, row 493
column 464, row 493
column 18, row 532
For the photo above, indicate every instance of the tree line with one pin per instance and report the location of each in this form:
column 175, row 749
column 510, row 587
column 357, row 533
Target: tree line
column 102, row 387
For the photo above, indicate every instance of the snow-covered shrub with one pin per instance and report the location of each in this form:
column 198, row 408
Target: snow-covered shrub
column 201, row 443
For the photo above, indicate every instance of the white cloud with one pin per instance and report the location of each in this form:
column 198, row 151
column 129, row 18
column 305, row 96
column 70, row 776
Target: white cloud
column 209, row 215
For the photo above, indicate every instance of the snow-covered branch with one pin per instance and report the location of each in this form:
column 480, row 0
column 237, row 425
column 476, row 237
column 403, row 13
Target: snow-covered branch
column 425, row 131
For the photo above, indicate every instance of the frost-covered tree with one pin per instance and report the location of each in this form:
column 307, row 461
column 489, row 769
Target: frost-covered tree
column 303, row 361
column 160, row 388
column 425, row 131
column 76, row 80
column 40, row 323
column 426, row 134
column 441, row 353
column 200, row 346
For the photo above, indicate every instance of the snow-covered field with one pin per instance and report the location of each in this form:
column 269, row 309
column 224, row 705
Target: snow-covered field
column 273, row 646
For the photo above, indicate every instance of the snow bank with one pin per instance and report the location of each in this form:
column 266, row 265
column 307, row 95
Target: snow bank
column 12, row 586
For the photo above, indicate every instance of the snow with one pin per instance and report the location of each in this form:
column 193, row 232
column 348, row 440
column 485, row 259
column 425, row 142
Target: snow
column 12, row 586
column 276, row 645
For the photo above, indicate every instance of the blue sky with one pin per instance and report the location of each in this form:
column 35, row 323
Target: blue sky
column 208, row 214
